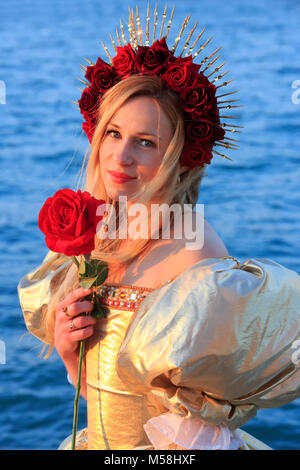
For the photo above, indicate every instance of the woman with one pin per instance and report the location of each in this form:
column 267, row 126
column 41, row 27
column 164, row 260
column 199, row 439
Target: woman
column 202, row 341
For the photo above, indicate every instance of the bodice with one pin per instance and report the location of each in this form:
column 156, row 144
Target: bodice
column 115, row 415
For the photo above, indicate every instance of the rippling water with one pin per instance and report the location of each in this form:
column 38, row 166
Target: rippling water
column 252, row 202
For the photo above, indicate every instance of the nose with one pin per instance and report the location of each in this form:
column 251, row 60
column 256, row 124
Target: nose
column 123, row 153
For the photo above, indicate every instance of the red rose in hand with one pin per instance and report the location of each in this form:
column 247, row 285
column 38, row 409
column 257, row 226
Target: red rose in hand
column 199, row 99
column 69, row 221
column 204, row 132
column 152, row 60
column 124, row 62
column 180, row 73
column 195, row 155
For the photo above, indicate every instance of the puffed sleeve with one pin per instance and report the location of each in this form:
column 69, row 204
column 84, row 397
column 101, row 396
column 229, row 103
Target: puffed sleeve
column 35, row 291
column 218, row 343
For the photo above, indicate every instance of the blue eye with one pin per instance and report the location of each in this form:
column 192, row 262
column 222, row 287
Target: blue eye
column 149, row 143
column 111, row 132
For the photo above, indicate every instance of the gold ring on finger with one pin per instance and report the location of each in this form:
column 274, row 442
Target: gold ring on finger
column 65, row 310
column 72, row 326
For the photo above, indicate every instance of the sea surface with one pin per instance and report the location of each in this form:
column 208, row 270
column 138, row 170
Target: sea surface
column 253, row 201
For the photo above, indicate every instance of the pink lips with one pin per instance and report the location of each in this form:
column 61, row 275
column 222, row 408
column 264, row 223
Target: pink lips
column 120, row 177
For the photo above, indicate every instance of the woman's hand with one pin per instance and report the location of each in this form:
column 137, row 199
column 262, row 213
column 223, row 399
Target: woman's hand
column 71, row 325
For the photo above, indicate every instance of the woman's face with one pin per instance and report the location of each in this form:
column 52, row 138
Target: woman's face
column 133, row 146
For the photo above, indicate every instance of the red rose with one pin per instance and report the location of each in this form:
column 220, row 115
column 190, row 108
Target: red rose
column 102, row 76
column 180, row 73
column 199, row 99
column 124, row 61
column 195, row 155
column 69, row 221
column 204, row 132
column 152, row 60
column 88, row 102
column 89, row 128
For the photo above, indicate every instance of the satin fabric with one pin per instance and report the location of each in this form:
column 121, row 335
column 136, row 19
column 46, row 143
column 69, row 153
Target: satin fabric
column 215, row 344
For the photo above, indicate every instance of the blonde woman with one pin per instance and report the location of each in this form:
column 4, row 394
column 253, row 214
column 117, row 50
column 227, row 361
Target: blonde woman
column 194, row 342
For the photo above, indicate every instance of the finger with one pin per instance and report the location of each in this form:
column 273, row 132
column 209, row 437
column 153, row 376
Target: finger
column 73, row 296
column 82, row 333
column 79, row 307
column 81, row 322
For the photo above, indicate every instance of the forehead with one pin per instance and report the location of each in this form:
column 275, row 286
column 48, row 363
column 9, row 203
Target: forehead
column 142, row 113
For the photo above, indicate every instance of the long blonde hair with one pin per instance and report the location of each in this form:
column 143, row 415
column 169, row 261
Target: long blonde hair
column 168, row 186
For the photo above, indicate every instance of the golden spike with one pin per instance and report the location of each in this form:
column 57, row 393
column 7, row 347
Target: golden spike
column 224, row 84
column 218, row 77
column 221, row 155
column 216, row 70
column 232, row 130
column 229, row 106
column 130, row 31
column 184, row 24
column 113, row 43
column 148, row 20
column 80, row 89
column 164, row 15
column 138, row 20
column 225, row 94
column 228, row 101
column 230, row 117
column 86, row 83
column 202, row 47
column 155, row 23
column 226, row 146
column 188, row 39
column 224, row 124
column 75, row 102
column 118, row 37
column 108, row 54
column 209, row 57
column 233, row 140
column 122, row 32
column 210, row 64
column 83, row 66
column 192, row 47
column 91, row 63
column 169, row 23
column 132, row 19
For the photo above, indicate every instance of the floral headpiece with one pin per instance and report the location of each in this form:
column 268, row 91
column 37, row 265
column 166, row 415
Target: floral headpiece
column 196, row 93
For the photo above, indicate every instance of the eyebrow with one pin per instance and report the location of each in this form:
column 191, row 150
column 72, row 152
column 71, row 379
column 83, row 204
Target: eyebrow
column 138, row 133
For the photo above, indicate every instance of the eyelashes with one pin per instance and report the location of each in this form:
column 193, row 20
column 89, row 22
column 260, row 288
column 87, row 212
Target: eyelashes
column 111, row 132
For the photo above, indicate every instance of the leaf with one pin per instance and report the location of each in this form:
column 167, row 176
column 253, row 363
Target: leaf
column 87, row 282
column 102, row 275
column 100, row 311
column 82, row 267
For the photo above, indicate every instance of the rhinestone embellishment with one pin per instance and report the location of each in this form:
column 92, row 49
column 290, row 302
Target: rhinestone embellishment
column 122, row 297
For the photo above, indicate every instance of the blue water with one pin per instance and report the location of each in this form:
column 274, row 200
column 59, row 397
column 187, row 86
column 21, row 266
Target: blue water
column 252, row 202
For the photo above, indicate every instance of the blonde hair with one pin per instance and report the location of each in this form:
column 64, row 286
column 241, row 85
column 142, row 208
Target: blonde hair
column 167, row 186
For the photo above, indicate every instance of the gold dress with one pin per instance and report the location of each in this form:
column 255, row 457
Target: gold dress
column 203, row 352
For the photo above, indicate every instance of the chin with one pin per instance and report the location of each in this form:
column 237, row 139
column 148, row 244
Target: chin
column 115, row 195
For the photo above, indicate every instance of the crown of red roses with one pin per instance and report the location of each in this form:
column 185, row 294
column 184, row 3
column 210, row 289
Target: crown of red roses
column 196, row 94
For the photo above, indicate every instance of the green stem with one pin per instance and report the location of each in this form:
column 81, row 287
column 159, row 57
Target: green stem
column 77, row 395
column 75, row 261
